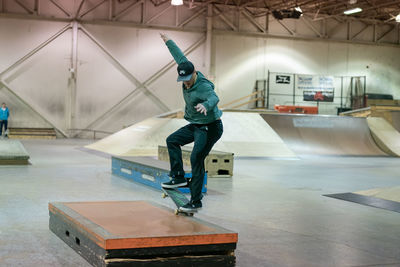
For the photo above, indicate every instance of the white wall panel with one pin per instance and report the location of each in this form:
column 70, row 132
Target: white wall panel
column 43, row 79
column 99, row 83
column 169, row 90
column 235, row 70
column 381, row 65
column 141, row 51
column 136, row 109
column 19, row 37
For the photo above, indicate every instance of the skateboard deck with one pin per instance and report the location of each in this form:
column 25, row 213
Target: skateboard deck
column 178, row 198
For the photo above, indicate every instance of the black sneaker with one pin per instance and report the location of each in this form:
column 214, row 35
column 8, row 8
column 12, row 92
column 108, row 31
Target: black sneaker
column 175, row 182
column 191, row 207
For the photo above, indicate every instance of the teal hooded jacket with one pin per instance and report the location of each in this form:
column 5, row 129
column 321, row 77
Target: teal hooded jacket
column 201, row 92
column 4, row 114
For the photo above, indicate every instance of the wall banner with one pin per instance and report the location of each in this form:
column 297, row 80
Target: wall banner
column 316, row 87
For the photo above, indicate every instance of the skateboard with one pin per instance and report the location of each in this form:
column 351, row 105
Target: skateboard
column 178, row 198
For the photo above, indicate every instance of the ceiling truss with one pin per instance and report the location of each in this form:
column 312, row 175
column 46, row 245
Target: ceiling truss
column 324, row 19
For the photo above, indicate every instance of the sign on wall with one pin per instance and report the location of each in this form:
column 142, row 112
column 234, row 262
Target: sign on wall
column 316, row 87
column 285, row 79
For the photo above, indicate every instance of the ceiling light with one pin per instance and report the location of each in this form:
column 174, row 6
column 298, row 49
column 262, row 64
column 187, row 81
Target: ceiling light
column 176, row 2
column 287, row 14
column 398, row 18
column 352, row 11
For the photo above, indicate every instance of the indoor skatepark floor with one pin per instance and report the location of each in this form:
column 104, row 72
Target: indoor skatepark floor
column 276, row 206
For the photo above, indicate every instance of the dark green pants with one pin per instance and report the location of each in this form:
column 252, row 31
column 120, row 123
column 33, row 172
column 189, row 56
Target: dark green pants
column 204, row 137
column 5, row 123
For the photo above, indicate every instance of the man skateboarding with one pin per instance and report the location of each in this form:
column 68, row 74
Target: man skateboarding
column 204, row 128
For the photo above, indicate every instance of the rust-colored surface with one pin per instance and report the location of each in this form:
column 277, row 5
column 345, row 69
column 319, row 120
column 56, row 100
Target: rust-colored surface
column 139, row 224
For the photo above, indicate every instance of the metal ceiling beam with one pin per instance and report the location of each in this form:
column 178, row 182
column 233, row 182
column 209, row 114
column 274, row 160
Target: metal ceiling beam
column 251, row 3
column 220, row 14
column 195, row 15
column 398, row 34
column 371, row 8
column 27, row 9
column 252, row 20
column 79, row 9
column 110, row 9
column 386, row 33
column 359, row 32
column 61, row 8
column 127, row 9
column 93, row 8
column 156, row 16
column 310, row 26
column 37, row 7
column 325, row 8
column 335, row 29
column 306, row 38
column 286, row 27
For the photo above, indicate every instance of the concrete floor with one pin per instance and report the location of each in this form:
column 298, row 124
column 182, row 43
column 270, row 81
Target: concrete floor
column 276, row 206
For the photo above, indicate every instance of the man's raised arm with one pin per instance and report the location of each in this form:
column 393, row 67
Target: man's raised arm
column 175, row 51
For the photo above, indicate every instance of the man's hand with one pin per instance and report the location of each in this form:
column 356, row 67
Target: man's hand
column 164, row 37
column 200, row 108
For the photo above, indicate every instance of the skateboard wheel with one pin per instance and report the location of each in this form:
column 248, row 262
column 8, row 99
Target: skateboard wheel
column 164, row 195
column 176, row 212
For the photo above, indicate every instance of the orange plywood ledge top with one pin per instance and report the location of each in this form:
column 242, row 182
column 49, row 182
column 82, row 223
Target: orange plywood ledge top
column 139, row 224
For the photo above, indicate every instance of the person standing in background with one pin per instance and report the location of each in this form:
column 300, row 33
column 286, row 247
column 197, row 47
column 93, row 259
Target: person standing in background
column 4, row 114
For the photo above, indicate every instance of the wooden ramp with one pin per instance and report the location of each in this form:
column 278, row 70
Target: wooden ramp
column 245, row 135
column 390, row 113
column 385, row 135
column 140, row 233
column 325, row 135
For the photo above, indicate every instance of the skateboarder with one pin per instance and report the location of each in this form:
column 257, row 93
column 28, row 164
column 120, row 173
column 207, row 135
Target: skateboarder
column 204, row 128
column 4, row 114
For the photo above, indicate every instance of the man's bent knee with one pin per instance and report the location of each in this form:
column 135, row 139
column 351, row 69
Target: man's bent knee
column 170, row 140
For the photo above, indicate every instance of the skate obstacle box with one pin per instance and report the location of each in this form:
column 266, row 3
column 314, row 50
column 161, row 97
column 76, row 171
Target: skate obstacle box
column 12, row 152
column 218, row 164
column 140, row 233
column 148, row 171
